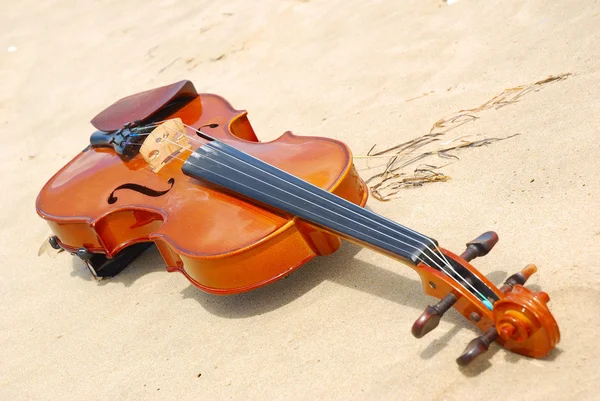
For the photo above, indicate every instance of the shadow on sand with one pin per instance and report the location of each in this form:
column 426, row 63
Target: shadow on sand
column 343, row 268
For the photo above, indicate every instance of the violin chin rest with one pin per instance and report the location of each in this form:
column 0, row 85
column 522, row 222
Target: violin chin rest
column 141, row 106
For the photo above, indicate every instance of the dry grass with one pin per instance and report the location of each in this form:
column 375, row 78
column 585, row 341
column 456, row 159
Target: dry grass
column 397, row 175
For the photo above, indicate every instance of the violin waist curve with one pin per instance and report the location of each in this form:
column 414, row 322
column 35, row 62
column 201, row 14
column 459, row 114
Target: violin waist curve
column 223, row 244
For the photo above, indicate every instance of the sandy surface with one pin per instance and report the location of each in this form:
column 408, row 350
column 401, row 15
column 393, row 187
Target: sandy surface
column 339, row 328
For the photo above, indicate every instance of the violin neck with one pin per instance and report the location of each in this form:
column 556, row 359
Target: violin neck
column 224, row 165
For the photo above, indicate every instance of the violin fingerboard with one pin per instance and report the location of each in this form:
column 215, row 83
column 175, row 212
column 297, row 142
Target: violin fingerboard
column 224, row 165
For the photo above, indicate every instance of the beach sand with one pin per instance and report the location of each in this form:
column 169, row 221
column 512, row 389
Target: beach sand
column 339, row 327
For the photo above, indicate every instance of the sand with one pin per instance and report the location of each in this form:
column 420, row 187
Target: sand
column 338, row 328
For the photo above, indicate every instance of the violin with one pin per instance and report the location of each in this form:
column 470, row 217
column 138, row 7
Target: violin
column 186, row 172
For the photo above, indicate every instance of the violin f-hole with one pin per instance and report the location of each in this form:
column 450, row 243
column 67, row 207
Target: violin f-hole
column 141, row 189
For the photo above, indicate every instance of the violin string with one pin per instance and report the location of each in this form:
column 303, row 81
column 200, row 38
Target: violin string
column 183, row 160
column 352, row 211
column 155, row 124
column 483, row 298
column 402, row 242
column 438, row 254
column 445, row 261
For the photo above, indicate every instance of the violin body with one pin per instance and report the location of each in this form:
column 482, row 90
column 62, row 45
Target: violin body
column 185, row 171
column 221, row 243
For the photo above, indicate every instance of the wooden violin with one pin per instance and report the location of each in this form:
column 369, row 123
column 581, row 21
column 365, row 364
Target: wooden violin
column 186, row 172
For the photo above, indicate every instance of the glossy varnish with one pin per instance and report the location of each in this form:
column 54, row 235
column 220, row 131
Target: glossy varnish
column 226, row 242
column 222, row 243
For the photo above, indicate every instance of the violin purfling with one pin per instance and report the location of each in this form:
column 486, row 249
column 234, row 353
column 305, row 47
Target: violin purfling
column 186, row 172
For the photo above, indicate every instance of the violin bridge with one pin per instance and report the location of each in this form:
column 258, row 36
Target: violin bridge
column 164, row 142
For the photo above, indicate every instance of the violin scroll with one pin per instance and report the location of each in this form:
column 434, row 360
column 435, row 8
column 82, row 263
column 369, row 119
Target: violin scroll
column 522, row 322
column 515, row 317
column 525, row 324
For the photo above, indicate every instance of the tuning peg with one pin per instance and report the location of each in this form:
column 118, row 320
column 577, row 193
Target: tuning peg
column 480, row 246
column 430, row 319
column 518, row 278
column 477, row 347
